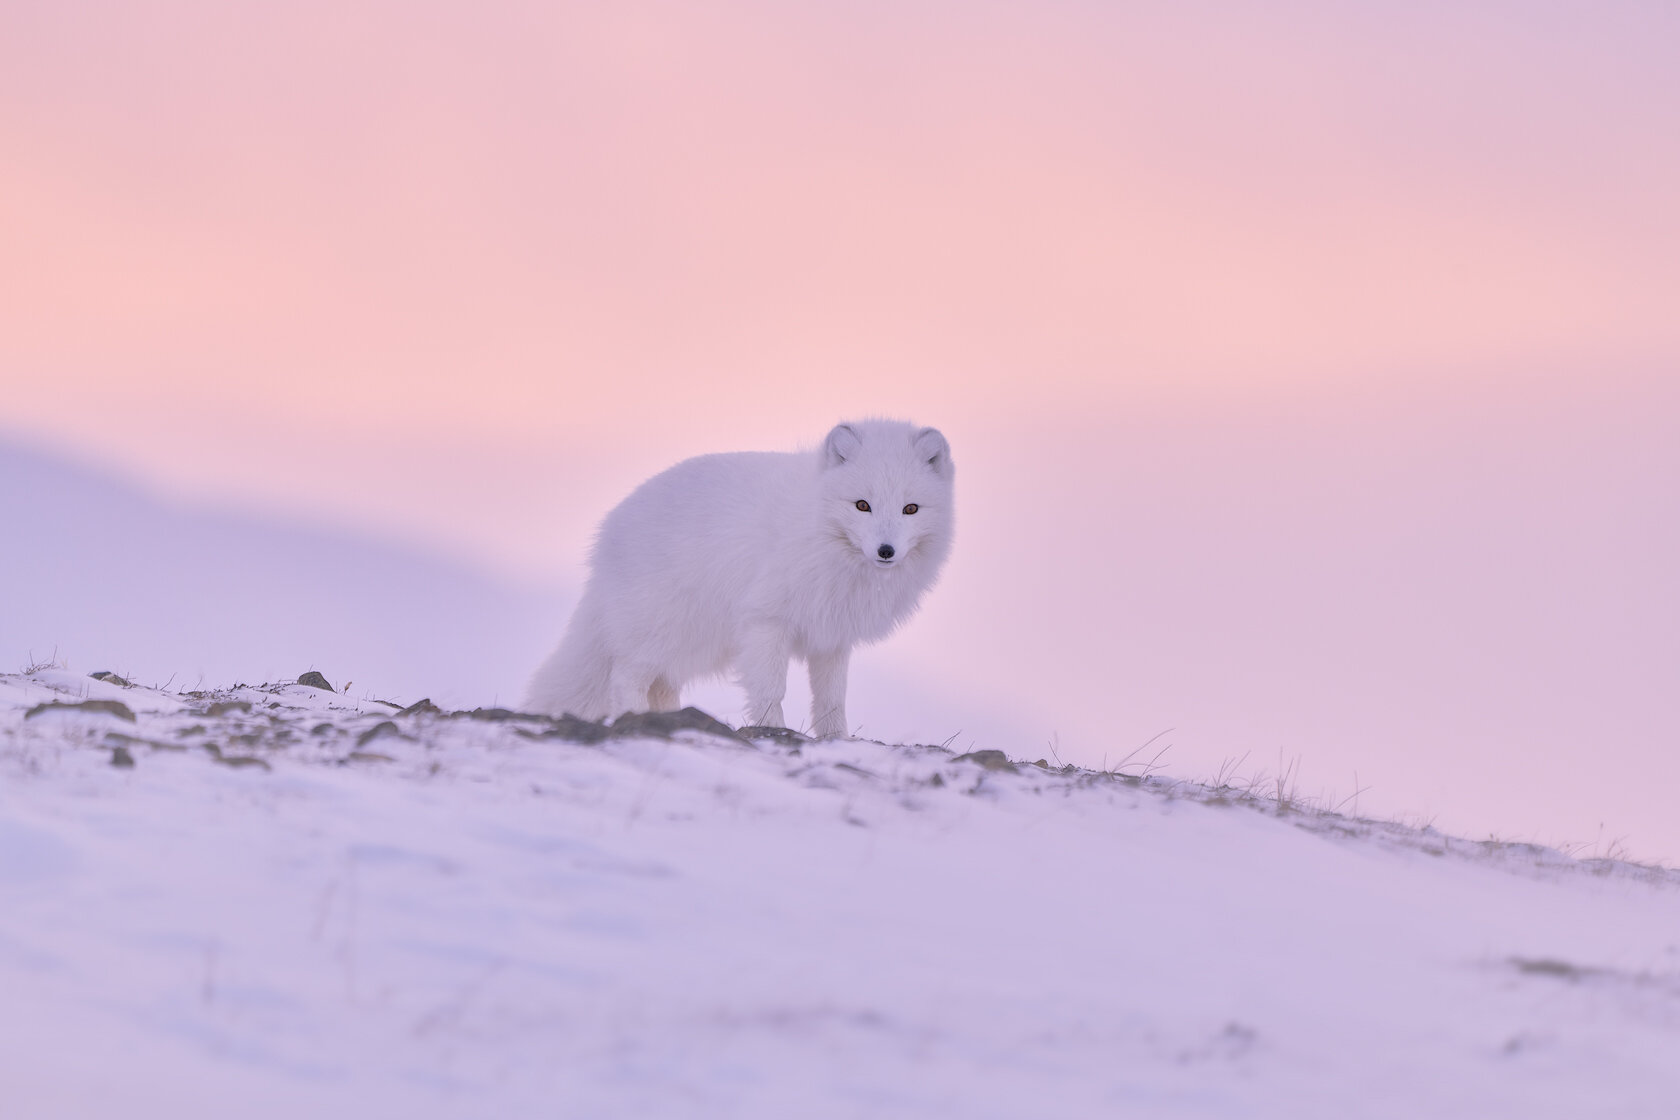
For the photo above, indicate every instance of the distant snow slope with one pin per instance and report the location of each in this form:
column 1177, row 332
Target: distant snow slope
column 294, row 903
column 112, row 578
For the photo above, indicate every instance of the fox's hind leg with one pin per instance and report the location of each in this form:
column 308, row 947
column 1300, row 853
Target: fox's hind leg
column 630, row 687
column 662, row 697
column 763, row 668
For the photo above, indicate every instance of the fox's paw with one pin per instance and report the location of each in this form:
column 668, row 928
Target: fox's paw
column 830, row 729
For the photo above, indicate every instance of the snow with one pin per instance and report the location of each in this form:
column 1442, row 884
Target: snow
column 457, row 916
column 105, row 575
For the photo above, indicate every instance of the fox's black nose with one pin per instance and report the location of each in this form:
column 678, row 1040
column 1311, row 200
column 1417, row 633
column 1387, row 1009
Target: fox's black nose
column 885, row 552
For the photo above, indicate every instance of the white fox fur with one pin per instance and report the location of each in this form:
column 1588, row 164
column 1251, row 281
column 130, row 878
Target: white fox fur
column 744, row 560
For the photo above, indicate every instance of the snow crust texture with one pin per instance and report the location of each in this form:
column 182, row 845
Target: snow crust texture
column 282, row 901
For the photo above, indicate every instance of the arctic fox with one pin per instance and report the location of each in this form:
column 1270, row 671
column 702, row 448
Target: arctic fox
column 744, row 560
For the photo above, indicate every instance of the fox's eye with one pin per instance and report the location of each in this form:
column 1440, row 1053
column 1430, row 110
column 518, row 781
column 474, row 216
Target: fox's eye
column 862, row 505
column 911, row 508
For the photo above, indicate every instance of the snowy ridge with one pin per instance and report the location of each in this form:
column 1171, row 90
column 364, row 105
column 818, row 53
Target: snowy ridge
column 283, row 898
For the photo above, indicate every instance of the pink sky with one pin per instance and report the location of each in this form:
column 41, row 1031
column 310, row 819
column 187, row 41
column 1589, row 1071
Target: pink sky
column 463, row 274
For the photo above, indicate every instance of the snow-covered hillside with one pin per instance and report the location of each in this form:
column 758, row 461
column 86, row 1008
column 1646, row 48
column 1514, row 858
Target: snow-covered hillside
column 110, row 576
column 285, row 902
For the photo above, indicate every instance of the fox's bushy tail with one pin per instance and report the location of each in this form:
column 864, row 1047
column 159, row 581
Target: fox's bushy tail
column 575, row 677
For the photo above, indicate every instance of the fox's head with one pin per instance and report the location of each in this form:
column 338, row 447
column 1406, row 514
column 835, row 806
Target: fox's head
column 886, row 491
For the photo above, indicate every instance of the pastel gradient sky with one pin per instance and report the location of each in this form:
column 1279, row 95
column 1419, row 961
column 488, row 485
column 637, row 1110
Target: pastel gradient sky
column 1299, row 358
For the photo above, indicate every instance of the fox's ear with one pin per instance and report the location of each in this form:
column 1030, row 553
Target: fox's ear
column 842, row 443
column 934, row 451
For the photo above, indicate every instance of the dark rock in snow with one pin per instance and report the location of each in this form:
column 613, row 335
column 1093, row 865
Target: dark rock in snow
column 315, row 680
column 571, row 729
column 661, row 725
column 990, row 760
column 109, row 707
column 240, row 761
column 499, row 715
column 378, row 731
column 420, row 708
column 111, row 678
column 121, row 758
column 223, row 707
column 778, row 734
column 118, row 739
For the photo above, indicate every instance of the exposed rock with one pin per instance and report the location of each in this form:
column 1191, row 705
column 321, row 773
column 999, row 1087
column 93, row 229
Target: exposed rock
column 108, row 707
column 118, row 739
column 111, row 678
column 121, row 758
column 378, row 731
column 500, row 715
column 990, row 760
column 223, row 707
column 241, row 761
column 420, row 708
column 777, row 734
column 570, row 729
column 315, row 680
column 1551, row 966
column 662, row 725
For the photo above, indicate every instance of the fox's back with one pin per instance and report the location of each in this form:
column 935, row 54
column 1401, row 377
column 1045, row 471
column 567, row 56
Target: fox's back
column 711, row 502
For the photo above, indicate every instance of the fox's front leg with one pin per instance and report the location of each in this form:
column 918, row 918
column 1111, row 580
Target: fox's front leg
column 828, row 693
column 763, row 666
